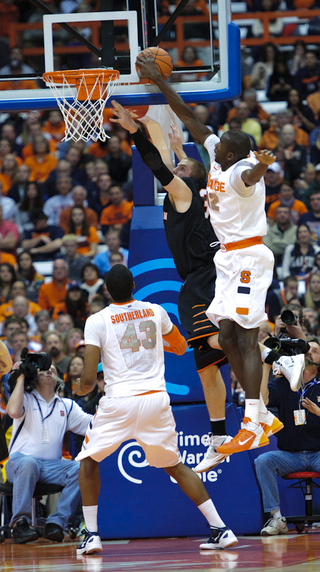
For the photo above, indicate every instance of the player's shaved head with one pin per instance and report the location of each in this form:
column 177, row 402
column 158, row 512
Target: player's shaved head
column 119, row 282
column 238, row 143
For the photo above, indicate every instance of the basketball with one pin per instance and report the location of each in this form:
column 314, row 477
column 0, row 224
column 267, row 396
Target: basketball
column 162, row 59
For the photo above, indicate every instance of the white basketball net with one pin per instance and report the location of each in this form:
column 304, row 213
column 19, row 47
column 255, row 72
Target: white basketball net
column 83, row 119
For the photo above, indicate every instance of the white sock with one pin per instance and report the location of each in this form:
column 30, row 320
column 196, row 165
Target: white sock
column 90, row 514
column 264, row 353
column 276, row 513
column 262, row 407
column 252, row 410
column 209, row 511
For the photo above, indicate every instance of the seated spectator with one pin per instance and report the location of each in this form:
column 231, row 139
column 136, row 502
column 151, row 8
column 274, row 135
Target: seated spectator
column 55, row 126
column 7, row 279
column 49, row 187
column 296, row 436
column 87, row 236
column 250, row 126
column 5, row 149
column 75, row 260
column 312, row 217
column 51, row 293
column 44, row 241
column 63, row 200
column 74, row 157
column 113, row 244
column 75, row 305
column 256, row 110
column 80, row 348
column 63, row 324
column 19, row 340
column 299, row 258
column 310, row 321
column 297, row 60
column 189, row 58
column 79, row 197
column 303, row 116
column 41, row 162
column 71, row 341
column 275, row 26
column 262, row 70
column 29, row 275
column 9, row 235
column 306, row 77
column 33, row 129
column 22, row 309
column 43, row 320
column 118, row 212
column 15, row 67
column 27, row 462
column 304, row 182
column 99, row 302
column 287, row 199
column 17, row 191
column 53, row 345
column 312, row 296
column 18, row 289
column 9, row 166
column 118, row 162
column 9, row 326
column 295, row 156
column 280, row 82
column 279, row 235
column 32, row 200
column 277, row 298
column 75, row 370
column 313, row 101
column 273, row 181
column 8, row 132
column 91, row 281
column 285, row 117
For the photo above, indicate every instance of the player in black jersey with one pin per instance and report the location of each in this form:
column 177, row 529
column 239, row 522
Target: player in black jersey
column 190, row 236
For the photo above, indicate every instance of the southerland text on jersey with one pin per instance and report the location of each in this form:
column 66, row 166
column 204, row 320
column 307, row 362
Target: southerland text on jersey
column 134, row 315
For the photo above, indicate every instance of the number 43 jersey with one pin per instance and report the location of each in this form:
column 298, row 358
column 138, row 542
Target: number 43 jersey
column 130, row 338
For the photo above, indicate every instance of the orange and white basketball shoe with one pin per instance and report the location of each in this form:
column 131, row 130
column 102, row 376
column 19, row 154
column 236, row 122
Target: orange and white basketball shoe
column 270, row 423
column 250, row 436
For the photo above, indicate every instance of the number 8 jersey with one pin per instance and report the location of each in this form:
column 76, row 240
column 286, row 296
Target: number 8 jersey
column 130, row 338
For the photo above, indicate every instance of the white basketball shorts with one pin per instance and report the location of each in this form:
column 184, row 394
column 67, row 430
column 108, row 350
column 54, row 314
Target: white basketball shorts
column 146, row 418
column 243, row 278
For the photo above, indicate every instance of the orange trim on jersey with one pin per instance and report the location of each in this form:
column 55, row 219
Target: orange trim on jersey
column 148, row 392
column 242, row 311
column 123, row 303
column 241, row 244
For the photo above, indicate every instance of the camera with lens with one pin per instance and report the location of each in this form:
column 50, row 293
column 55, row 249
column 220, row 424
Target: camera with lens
column 287, row 346
column 31, row 363
column 289, row 318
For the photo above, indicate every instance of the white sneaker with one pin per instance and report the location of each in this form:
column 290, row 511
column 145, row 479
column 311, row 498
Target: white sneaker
column 292, row 368
column 211, row 458
column 270, row 423
column 91, row 543
column 275, row 526
column 220, row 538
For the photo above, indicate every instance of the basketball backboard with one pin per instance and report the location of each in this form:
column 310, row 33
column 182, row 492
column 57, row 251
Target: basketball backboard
column 216, row 75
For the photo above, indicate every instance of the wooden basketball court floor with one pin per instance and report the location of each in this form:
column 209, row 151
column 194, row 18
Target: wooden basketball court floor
column 289, row 553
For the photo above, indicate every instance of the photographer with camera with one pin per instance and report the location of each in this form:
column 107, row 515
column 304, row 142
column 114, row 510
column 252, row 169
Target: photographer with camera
column 40, row 421
column 299, row 440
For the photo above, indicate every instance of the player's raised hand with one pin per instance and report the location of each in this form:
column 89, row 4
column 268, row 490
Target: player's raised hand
column 175, row 140
column 123, row 117
column 266, row 157
column 146, row 66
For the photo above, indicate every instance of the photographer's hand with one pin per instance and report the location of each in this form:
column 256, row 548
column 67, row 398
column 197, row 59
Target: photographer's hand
column 311, row 406
column 296, row 332
column 278, row 326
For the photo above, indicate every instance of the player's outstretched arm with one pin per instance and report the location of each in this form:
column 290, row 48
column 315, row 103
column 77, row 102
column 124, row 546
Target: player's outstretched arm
column 252, row 176
column 176, row 142
column 148, row 69
column 152, row 159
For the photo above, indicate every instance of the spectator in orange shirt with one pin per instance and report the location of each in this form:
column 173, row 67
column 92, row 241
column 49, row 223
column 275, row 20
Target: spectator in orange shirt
column 79, row 196
column 5, row 148
column 88, row 238
column 118, row 213
column 75, row 305
column 8, row 132
column 7, row 279
column 41, row 162
column 189, row 58
column 18, row 289
column 9, row 235
column 55, row 126
column 34, row 128
column 8, row 172
column 287, row 199
column 55, row 291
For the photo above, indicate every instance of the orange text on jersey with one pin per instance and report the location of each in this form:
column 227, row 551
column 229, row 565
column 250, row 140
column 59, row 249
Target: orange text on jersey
column 215, row 185
column 134, row 315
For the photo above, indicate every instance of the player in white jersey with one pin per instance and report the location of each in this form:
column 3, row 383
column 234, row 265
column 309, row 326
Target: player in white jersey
column 244, row 265
column 129, row 334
